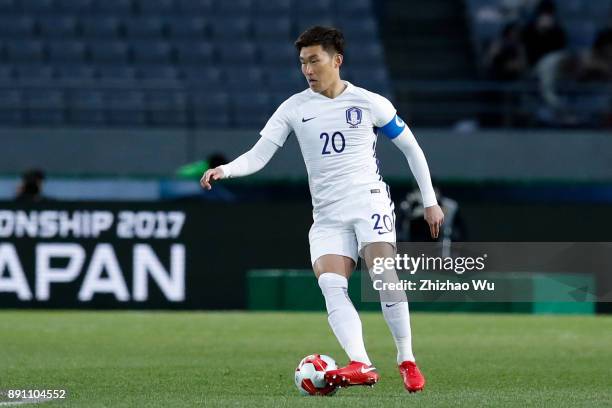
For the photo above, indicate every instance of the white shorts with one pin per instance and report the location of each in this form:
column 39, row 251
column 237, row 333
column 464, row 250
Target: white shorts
column 346, row 226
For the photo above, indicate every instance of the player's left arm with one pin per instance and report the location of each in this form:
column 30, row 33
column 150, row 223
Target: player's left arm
column 402, row 137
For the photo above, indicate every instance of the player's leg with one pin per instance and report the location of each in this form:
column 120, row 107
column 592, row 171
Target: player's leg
column 374, row 225
column 332, row 273
column 394, row 305
column 334, row 254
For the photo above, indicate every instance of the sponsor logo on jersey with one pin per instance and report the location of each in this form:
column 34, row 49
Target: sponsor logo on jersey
column 353, row 116
column 307, row 119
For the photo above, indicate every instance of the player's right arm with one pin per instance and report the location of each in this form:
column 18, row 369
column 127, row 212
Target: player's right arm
column 273, row 136
column 246, row 164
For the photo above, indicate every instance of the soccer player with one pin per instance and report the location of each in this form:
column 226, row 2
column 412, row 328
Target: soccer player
column 336, row 124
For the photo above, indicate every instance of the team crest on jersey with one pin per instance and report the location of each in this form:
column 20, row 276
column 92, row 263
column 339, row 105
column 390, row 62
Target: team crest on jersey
column 353, row 116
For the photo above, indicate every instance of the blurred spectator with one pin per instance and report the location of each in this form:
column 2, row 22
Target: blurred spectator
column 598, row 63
column 506, row 59
column 30, row 189
column 561, row 74
column 412, row 226
column 543, row 34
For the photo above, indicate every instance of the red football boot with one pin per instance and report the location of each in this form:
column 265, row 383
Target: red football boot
column 413, row 379
column 355, row 373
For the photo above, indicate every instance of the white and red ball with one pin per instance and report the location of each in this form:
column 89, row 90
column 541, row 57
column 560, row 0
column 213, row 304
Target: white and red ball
column 310, row 375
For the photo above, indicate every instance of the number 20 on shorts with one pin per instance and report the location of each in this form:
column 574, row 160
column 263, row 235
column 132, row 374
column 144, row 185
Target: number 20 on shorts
column 383, row 224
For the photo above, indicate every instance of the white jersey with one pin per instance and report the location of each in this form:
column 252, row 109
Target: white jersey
column 337, row 138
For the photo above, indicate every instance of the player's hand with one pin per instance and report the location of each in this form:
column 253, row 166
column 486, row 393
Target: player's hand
column 211, row 175
column 435, row 218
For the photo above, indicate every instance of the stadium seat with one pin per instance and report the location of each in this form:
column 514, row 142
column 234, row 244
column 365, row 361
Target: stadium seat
column 157, row 7
column 86, row 107
column 144, row 27
column 237, row 8
column 18, row 27
column 195, row 52
column 356, row 9
column 236, row 58
column 363, row 29
column 107, row 27
column 193, row 28
column 151, row 52
column 45, row 107
column 237, row 53
column 369, row 73
column 67, row 51
column 210, row 77
column 117, row 72
column 273, row 53
column 58, row 27
column 76, row 72
column 158, row 72
column 231, row 28
column 6, row 73
column 273, row 8
column 211, row 109
column 201, row 8
column 113, row 7
column 34, row 72
column 250, row 110
column 313, row 8
column 364, row 53
column 167, row 108
column 284, row 80
column 243, row 79
column 25, row 51
column 36, row 7
column 8, row 7
column 305, row 22
column 372, row 84
column 74, row 7
column 272, row 28
column 109, row 51
column 126, row 108
column 11, row 112
column 277, row 98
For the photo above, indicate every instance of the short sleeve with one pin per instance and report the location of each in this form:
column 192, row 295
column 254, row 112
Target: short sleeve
column 278, row 127
column 382, row 110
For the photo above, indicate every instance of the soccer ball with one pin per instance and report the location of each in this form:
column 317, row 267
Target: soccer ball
column 310, row 375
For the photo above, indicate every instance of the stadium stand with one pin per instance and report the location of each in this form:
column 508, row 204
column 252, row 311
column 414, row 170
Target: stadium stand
column 559, row 39
column 167, row 62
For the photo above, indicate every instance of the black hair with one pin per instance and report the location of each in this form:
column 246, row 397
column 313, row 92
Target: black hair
column 330, row 38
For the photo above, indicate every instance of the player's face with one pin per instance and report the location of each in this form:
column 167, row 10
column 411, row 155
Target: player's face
column 320, row 68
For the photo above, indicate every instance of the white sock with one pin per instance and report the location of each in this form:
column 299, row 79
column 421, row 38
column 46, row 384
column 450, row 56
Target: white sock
column 343, row 317
column 397, row 317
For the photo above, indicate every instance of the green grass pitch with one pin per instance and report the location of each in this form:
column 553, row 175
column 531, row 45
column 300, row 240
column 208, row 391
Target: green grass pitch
column 185, row 359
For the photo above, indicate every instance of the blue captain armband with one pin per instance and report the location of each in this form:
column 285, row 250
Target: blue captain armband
column 393, row 128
